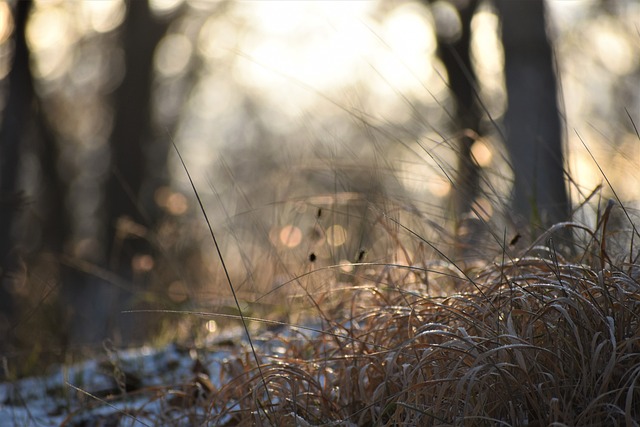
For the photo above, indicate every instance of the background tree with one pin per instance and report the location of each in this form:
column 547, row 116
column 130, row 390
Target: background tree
column 132, row 135
column 13, row 134
column 454, row 50
column 18, row 111
column 129, row 204
column 43, row 222
column 533, row 134
column 532, row 120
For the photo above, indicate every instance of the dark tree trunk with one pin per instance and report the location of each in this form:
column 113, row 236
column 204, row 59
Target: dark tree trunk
column 132, row 127
column 532, row 121
column 132, row 132
column 17, row 113
column 14, row 125
column 533, row 134
column 130, row 143
column 456, row 57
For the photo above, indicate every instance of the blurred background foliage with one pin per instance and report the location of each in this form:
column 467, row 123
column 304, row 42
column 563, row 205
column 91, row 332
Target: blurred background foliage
column 300, row 122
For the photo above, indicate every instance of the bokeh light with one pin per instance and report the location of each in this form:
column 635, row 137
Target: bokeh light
column 290, row 236
column 336, row 235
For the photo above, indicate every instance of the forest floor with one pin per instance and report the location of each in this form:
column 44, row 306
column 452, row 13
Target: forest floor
column 535, row 340
column 118, row 389
column 550, row 336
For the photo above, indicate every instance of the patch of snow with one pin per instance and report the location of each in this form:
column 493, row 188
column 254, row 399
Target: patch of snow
column 107, row 389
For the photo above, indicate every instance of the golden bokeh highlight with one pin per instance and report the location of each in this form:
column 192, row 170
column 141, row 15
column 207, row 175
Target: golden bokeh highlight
column 142, row 263
column 482, row 208
column 346, row 266
column 164, row 7
column 102, row 16
column 439, row 186
column 51, row 36
column 172, row 55
column 6, row 22
column 290, row 236
column 177, row 291
column 481, row 153
column 336, row 235
column 173, row 202
column 211, row 326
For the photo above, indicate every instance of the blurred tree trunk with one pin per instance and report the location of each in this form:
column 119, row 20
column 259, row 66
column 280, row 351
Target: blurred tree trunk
column 132, row 130
column 14, row 126
column 533, row 131
column 25, row 130
column 532, row 121
column 17, row 114
column 456, row 56
column 130, row 141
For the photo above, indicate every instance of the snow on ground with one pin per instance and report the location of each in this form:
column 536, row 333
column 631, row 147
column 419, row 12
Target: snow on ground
column 139, row 387
column 91, row 393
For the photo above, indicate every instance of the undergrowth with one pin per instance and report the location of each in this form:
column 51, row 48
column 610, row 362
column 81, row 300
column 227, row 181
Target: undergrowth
column 479, row 326
column 414, row 321
column 542, row 337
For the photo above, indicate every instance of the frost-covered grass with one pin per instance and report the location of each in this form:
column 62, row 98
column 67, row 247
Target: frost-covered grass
column 478, row 325
column 539, row 338
column 426, row 328
column 365, row 308
column 533, row 340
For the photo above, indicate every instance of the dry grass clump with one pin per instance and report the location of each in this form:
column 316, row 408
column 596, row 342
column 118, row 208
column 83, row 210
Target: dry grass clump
column 537, row 340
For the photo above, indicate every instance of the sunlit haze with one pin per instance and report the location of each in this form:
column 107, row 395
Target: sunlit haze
column 307, row 83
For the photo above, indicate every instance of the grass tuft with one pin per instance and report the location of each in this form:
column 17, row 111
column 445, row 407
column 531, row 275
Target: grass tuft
column 537, row 339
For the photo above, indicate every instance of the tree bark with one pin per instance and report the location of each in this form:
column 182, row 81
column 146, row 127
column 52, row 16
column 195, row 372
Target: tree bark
column 532, row 120
column 456, row 57
column 132, row 132
column 17, row 113
column 130, row 141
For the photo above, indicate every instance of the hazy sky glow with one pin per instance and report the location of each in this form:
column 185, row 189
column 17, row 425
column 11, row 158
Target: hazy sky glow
column 302, row 82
